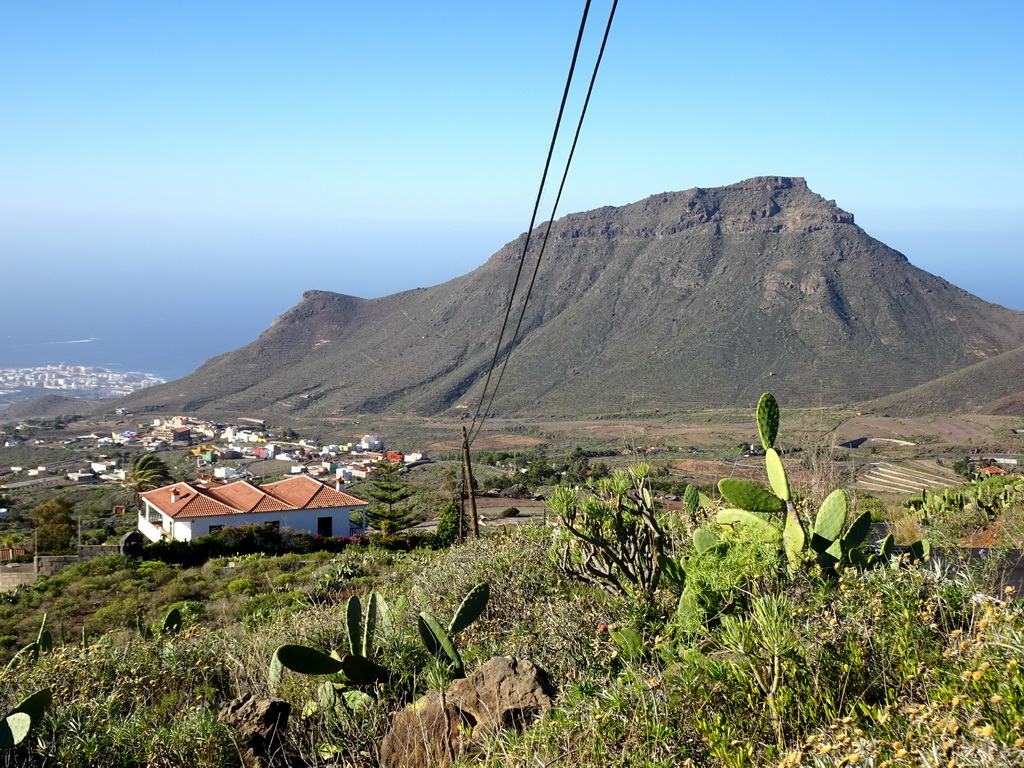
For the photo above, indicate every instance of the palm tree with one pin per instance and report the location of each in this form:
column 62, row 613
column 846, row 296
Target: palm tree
column 147, row 472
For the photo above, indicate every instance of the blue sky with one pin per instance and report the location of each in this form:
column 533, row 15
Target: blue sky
column 199, row 165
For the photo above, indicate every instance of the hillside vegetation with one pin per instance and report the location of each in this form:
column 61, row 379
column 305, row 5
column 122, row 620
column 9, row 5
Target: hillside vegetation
column 709, row 636
column 992, row 386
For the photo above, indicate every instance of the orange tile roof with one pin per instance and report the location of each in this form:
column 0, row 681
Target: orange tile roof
column 191, row 502
column 306, row 493
column 246, row 497
column 297, row 491
column 302, row 492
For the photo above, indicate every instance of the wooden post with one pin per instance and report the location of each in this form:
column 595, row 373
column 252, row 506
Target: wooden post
column 462, row 506
column 469, row 483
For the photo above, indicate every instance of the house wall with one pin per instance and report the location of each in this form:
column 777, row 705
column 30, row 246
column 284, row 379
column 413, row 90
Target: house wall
column 181, row 530
column 13, row 575
column 187, row 529
column 297, row 520
column 147, row 528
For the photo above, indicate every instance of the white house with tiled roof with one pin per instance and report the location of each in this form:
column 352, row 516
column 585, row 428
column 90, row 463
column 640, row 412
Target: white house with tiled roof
column 184, row 511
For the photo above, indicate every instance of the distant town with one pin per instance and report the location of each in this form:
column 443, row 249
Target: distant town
column 211, row 444
column 77, row 380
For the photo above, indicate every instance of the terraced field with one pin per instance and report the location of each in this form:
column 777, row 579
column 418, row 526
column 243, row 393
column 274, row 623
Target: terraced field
column 905, row 478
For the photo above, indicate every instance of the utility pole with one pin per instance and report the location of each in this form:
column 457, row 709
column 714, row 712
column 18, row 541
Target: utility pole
column 469, row 483
column 462, row 506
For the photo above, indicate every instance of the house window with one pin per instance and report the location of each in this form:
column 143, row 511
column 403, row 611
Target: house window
column 325, row 526
column 215, row 528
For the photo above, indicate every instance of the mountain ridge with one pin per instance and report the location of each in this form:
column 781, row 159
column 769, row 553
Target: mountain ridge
column 706, row 296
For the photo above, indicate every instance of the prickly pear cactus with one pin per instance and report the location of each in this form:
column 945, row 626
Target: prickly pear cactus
column 751, row 520
column 794, row 539
column 472, row 606
column 776, row 474
column 437, row 640
column 301, row 659
column 704, row 539
column 749, row 496
column 767, row 420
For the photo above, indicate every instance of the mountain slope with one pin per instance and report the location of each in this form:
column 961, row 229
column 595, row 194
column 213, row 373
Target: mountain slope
column 994, row 386
column 702, row 297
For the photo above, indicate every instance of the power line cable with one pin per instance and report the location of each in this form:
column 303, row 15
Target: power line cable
column 533, row 215
column 476, row 427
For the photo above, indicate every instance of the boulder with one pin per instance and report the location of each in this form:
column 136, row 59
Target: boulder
column 504, row 692
column 260, row 723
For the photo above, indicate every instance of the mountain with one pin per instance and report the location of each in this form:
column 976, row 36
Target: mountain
column 702, row 297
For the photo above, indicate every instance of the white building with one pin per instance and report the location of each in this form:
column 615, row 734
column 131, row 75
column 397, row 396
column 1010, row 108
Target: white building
column 370, row 443
column 184, row 511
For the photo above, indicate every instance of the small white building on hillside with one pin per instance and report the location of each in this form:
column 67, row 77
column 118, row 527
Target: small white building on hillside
column 370, row 443
column 184, row 511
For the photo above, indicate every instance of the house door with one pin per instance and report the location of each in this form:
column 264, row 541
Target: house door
column 324, row 526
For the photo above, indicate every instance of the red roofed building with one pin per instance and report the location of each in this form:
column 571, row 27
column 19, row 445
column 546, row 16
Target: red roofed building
column 992, row 471
column 184, row 511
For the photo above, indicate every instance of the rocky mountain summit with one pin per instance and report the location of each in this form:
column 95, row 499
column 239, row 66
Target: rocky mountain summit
column 701, row 297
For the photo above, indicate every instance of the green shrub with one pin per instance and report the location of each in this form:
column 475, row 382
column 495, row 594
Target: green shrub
column 242, row 587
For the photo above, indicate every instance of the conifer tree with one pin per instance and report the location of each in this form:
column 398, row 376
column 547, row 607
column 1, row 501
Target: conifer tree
column 388, row 514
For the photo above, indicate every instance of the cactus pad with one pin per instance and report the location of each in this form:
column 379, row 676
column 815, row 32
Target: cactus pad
column 793, row 539
column 438, row 641
column 354, row 624
column 832, row 516
column 858, row 531
column 776, row 474
column 301, row 659
column 749, row 496
column 13, row 729
column 472, row 606
column 767, row 420
column 629, row 641
column 704, row 539
column 750, row 519
column 672, row 570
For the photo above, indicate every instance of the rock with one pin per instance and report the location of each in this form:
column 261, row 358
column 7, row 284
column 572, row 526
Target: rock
column 260, row 722
column 425, row 733
column 503, row 693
